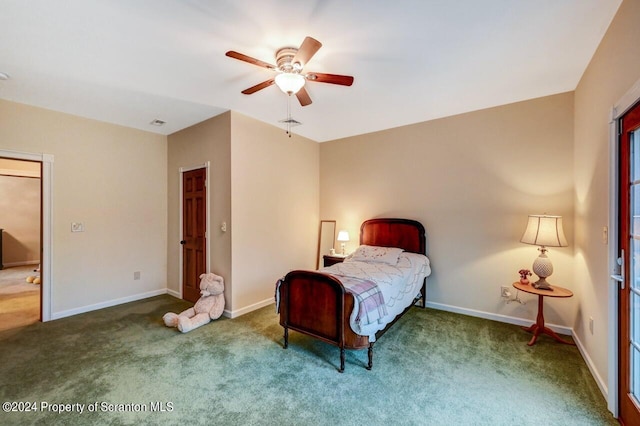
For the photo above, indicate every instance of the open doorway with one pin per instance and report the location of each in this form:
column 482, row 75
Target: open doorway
column 20, row 242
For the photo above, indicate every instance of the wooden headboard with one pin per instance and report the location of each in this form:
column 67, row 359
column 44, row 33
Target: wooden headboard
column 406, row 234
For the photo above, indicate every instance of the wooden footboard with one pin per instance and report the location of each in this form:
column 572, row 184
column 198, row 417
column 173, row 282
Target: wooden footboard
column 318, row 305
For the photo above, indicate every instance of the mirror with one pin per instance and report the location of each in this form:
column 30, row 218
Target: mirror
column 326, row 238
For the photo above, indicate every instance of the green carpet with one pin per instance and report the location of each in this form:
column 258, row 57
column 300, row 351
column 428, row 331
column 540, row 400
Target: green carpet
column 431, row 368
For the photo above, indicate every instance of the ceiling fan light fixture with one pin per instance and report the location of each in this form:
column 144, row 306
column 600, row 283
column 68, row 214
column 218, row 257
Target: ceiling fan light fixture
column 289, row 83
column 290, row 77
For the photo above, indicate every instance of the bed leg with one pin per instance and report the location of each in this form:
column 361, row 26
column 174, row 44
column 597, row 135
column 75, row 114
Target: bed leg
column 286, row 338
column 341, row 360
column 370, row 353
column 424, row 293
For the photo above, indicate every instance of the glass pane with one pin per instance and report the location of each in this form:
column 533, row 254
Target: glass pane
column 635, row 210
column 635, row 151
column 635, row 372
column 635, row 314
column 635, row 263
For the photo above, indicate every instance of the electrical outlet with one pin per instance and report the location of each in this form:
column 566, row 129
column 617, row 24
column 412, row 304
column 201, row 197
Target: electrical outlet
column 591, row 324
column 136, row 275
column 504, row 291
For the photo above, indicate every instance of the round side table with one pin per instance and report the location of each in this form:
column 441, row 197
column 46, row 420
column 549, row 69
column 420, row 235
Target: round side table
column 539, row 327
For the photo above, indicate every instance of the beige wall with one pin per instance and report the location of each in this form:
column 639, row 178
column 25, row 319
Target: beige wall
column 20, row 218
column 612, row 72
column 275, row 184
column 209, row 141
column 471, row 179
column 113, row 180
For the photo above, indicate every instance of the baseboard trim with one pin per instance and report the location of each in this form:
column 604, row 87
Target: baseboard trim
column 107, row 304
column 247, row 309
column 497, row 317
column 604, row 388
column 140, row 296
column 174, row 293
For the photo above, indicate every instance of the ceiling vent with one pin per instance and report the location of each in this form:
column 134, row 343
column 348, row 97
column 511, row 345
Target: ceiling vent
column 290, row 122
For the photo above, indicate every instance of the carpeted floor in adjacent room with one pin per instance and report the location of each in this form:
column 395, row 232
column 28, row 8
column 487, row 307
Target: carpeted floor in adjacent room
column 431, row 368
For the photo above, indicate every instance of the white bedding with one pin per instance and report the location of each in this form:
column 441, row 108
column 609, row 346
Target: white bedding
column 399, row 284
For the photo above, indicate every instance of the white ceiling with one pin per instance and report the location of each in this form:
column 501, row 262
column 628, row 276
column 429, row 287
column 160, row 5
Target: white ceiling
column 131, row 61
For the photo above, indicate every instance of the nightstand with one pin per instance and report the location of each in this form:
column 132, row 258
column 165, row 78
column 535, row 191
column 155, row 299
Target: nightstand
column 333, row 259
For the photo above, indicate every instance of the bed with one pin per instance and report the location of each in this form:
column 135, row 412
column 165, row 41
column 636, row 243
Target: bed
column 321, row 304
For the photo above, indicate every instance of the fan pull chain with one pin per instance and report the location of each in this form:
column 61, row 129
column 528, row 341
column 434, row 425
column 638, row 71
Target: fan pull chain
column 289, row 115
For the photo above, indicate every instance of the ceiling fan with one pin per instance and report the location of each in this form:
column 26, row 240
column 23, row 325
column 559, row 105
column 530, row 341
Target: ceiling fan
column 290, row 63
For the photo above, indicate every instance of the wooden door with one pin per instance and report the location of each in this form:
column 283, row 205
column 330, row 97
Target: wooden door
column 629, row 291
column 194, row 213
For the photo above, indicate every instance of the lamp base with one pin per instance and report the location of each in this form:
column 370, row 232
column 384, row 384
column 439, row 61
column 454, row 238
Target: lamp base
column 542, row 284
column 543, row 268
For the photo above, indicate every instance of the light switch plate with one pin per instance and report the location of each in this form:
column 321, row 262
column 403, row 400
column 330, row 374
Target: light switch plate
column 77, row 227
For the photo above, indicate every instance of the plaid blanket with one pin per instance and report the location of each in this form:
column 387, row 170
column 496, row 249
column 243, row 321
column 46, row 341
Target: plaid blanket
column 371, row 306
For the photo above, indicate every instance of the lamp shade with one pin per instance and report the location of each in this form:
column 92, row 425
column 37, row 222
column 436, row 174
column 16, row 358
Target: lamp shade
column 343, row 236
column 289, row 83
column 544, row 230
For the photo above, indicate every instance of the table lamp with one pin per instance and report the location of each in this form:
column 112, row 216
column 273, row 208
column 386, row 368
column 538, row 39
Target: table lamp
column 343, row 236
column 544, row 231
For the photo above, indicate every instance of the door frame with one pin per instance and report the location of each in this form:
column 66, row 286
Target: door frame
column 46, row 261
column 628, row 100
column 181, row 171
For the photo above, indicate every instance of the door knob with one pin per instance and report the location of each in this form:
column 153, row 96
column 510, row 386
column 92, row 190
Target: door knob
column 183, row 242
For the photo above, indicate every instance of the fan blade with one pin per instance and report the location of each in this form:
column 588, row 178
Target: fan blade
column 343, row 80
column 245, row 58
column 308, row 48
column 303, row 97
column 257, row 87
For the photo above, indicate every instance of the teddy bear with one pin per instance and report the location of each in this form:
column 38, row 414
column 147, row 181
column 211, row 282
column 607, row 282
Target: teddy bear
column 209, row 307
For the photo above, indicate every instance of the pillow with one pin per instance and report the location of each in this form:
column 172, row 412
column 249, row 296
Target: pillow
column 388, row 255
